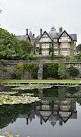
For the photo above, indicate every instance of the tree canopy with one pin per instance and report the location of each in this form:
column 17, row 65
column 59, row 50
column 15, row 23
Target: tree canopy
column 78, row 48
column 9, row 44
column 73, row 71
column 11, row 47
column 26, row 47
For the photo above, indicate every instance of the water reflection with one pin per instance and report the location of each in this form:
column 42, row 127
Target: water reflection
column 57, row 105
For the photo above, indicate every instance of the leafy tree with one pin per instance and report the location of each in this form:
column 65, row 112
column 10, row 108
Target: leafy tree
column 61, row 70
column 78, row 48
column 73, row 71
column 50, row 70
column 26, row 47
column 53, row 70
column 9, row 44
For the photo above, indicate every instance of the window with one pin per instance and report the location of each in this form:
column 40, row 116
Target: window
column 45, row 53
column 55, row 52
column 65, row 53
column 64, row 45
column 55, row 40
column 37, row 45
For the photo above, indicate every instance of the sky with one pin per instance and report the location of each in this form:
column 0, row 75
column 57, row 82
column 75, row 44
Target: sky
column 19, row 15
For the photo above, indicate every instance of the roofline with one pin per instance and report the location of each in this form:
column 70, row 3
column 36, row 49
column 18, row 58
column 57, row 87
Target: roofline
column 47, row 34
column 66, row 33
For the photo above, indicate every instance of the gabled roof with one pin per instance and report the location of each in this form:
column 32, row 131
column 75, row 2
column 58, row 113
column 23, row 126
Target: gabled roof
column 66, row 33
column 47, row 34
column 72, row 36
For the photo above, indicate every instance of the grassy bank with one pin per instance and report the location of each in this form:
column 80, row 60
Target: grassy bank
column 42, row 81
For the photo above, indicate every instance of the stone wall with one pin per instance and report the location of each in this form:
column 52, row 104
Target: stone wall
column 11, row 65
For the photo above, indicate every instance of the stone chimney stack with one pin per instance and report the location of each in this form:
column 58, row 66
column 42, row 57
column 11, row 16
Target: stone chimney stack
column 33, row 36
column 26, row 31
column 40, row 32
column 60, row 29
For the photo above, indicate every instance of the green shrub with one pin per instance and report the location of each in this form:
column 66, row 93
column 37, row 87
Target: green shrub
column 50, row 70
column 61, row 71
column 19, row 71
column 29, row 67
column 34, row 72
column 4, row 62
column 29, row 57
column 40, row 51
column 73, row 71
column 33, row 69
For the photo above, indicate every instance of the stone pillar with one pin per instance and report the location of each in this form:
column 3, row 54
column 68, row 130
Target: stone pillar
column 26, row 31
column 40, row 32
column 40, row 71
column 60, row 29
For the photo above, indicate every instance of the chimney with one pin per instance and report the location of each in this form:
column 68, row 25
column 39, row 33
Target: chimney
column 40, row 32
column 26, row 31
column 61, row 29
column 33, row 36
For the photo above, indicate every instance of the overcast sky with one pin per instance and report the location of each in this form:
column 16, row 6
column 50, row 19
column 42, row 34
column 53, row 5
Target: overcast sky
column 17, row 15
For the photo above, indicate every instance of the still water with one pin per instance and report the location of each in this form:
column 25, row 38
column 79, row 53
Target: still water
column 58, row 114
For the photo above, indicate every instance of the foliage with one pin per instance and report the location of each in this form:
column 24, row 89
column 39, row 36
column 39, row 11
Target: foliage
column 53, row 70
column 9, row 113
column 29, row 57
column 40, row 50
column 13, row 73
column 76, row 57
column 78, row 48
column 35, row 72
column 33, row 69
column 73, row 71
column 29, row 67
column 26, row 47
column 19, row 71
column 9, row 45
column 50, row 70
column 61, row 70
column 61, row 91
column 73, row 58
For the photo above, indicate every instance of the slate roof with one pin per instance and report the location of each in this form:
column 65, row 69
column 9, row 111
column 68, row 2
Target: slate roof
column 22, row 37
column 54, row 34
column 73, row 36
column 25, row 37
column 37, row 39
column 30, row 35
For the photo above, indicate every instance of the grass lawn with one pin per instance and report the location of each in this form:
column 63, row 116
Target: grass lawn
column 43, row 81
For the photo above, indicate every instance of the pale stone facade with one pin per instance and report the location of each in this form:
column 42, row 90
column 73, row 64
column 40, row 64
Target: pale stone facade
column 57, row 43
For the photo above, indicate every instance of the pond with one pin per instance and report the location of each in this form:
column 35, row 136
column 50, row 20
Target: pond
column 56, row 114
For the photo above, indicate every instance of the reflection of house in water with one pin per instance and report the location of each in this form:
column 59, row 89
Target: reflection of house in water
column 53, row 111
column 61, row 110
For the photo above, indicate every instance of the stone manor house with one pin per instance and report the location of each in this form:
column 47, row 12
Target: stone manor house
column 60, row 43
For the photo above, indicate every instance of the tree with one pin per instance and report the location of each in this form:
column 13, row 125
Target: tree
column 78, row 48
column 61, row 70
column 26, row 47
column 53, row 70
column 73, row 71
column 9, row 44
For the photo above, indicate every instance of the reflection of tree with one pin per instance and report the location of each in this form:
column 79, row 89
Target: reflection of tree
column 62, row 91
column 48, row 108
column 73, row 90
column 50, row 92
column 9, row 113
